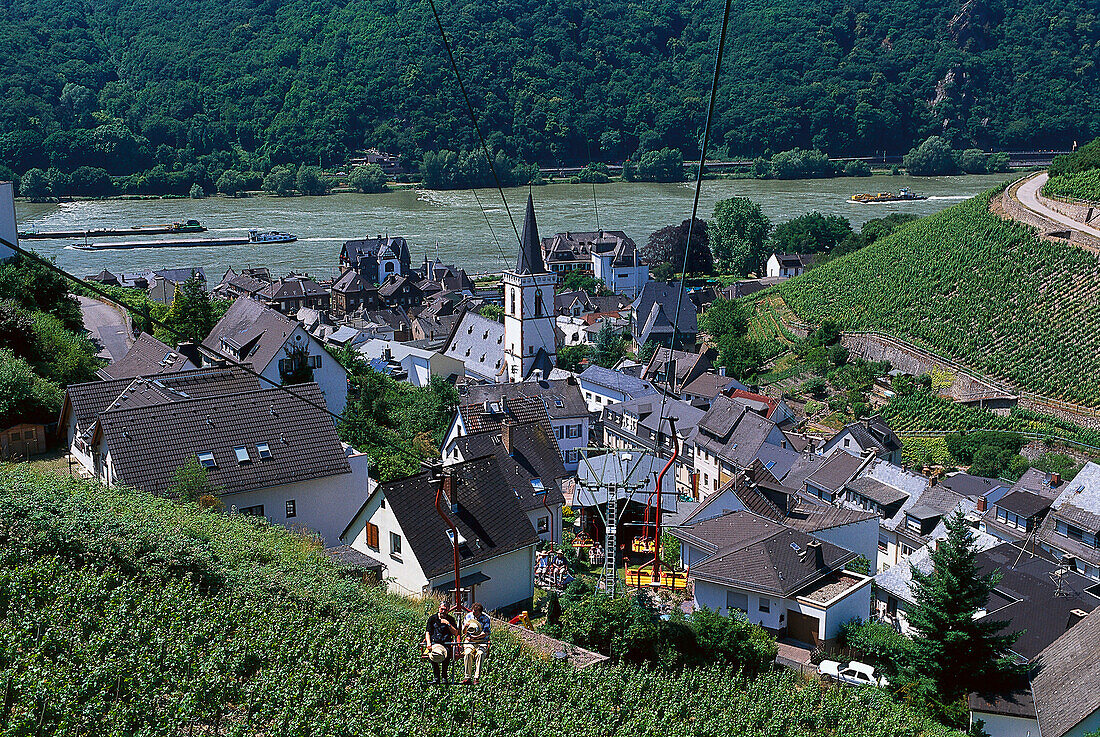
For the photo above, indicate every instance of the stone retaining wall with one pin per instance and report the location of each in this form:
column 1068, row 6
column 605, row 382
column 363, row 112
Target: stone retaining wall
column 1046, row 228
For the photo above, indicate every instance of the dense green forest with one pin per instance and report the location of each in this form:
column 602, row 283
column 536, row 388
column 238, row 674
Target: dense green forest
column 124, row 613
column 180, row 92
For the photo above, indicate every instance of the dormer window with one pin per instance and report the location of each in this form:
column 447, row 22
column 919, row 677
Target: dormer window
column 206, row 459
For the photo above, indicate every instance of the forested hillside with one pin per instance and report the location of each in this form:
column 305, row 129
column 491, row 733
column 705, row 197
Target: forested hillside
column 122, row 613
column 976, row 288
column 205, row 85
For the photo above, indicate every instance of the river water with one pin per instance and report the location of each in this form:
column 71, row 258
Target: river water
column 450, row 225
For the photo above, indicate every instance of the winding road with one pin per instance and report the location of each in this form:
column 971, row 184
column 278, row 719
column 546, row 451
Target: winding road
column 106, row 327
column 1028, row 196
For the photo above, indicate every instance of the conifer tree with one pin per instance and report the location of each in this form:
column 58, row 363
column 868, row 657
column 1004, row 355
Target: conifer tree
column 953, row 647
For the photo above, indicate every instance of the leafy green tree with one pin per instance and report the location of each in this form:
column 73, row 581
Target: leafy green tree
column 280, row 181
column 665, row 165
column 646, row 351
column 296, row 370
column 191, row 482
column 311, row 181
column 973, row 161
column 667, row 246
column 738, row 235
column 727, row 323
column 952, row 646
column 191, row 315
column 582, row 282
column 933, row 157
column 197, row 192
column 24, row 395
column 64, row 356
column 732, row 641
column 231, row 183
column 34, row 185
column 608, row 347
column 571, row 356
column 369, row 179
column 491, row 311
column 810, row 233
column 36, row 288
column 801, row 164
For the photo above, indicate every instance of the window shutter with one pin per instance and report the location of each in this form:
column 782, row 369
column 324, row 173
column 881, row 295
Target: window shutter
column 372, row 535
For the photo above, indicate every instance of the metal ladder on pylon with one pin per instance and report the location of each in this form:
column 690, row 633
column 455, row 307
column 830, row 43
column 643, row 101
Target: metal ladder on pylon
column 610, row 574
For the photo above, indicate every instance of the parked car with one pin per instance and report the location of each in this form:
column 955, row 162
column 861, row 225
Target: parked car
column 854, row 673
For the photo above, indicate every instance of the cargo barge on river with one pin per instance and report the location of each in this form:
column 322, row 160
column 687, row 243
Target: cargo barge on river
column 255, row 237
column 190, row 226
column 904, row 195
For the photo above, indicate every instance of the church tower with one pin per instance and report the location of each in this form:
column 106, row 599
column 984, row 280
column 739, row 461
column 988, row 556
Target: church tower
column 529, row 341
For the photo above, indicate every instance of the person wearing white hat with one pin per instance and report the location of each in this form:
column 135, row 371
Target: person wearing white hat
column 475, row 634
column 438, row 634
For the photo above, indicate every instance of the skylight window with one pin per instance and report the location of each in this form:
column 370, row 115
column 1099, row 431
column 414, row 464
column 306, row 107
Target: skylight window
column 537, row 487
column 795, row 548
column 451, row 537
column 264, row 450
column 242, row 454
column 206, row 459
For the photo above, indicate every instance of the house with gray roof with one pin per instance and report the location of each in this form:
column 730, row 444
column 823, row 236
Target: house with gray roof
column 1072, row 526
column 570, row 421
column 1066, row 682
column 872, row 435
column 419, row 365
column 640, row 423
column 162, row 285
column 603, row 386
column 399, row 525
column 783, row 579
column 290, row 294
column 731, row 436
column 530, row 458
column 277, row 347
column 375, row 259
column 654, row 316
column 479, row 343
column 264, row 452
column 145, row 357
column 685, row 367
column 351, row 293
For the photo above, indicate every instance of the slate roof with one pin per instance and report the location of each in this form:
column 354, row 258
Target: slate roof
column 347, row 557
column 665, row 294
column 1039, row 482
column 1067, row 679
column 350, row 282
column 87, row 400
column 530, row 249
column 146, row 356
column 802, row 467
column 971, row 486
column 534, row 455
column 710, row 385
column 871, row 434
column 178, row 276
column 734, row 433
column 758, row 554
column 1078, row 505
column 520, row 410
column 561, row 397
column 490, row 517
column 292, row 287
column 572, row 246
column 877, row 491
column 630, row 386
column 687, row 364
column 302, row 439
column 257, row 332
column 837, row 471
column 630, row 469
column 370, row 248
column 1023, row 503
column 796, row 260
column 479, row 343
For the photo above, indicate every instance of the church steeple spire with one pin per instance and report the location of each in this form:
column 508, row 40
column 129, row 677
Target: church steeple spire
column 530, row 247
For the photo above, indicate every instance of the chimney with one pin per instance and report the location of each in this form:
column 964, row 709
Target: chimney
column 450, row 487
column 506, row 428
column 722, row 371
column 191, row 352
column 982, row 504
column 1055, row 478
column 817, row 553
column 1075, row 616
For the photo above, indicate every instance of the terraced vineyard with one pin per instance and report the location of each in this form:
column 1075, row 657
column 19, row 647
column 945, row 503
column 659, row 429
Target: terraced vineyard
column 1081, row 185
column 125, row 614
column 971, row 286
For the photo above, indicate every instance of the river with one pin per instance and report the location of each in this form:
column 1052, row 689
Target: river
column 448, row 225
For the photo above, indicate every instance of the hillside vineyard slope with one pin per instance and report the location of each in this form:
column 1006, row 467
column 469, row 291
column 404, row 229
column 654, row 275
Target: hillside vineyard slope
column 973, row 287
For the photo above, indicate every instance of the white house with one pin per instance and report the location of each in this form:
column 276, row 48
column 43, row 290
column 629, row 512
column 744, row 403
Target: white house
column 602, row 387
column 277, row 347
column 620, row 268
column 872, row 435
column 780, row 578
column 565, row 407
column 400, row 525
column 419, row 364
column 8, row 229
column 264, row 452
column 786, row 265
